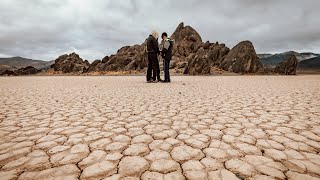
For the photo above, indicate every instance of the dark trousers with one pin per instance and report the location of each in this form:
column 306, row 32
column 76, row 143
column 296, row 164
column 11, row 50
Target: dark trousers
column 153, row 71
column 166, row 64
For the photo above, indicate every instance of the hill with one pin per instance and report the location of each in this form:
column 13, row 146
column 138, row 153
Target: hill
column 312, row 64
column 4, row 67
column 265, row 55
column 20, row 62
column 275, row 59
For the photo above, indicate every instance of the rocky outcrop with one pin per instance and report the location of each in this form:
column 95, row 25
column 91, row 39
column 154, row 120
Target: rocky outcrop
column 186, row 33
column 94, row 66
column 198, row 63
column 26, row 71
column 7, row 73
column 186, row 43
column 127, row 58
column 241, row 59
column 287, row 67
column 209, row 55
column 71, row 63
column 190, row 56
column 201, row 57
column 29, row 70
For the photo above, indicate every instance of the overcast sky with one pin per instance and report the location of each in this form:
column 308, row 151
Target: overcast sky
column 45, row 29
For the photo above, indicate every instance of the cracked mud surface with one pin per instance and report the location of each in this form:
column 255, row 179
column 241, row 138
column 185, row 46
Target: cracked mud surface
column 237, row 127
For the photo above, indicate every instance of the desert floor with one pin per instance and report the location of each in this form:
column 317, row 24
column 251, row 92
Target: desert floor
column 119, row 127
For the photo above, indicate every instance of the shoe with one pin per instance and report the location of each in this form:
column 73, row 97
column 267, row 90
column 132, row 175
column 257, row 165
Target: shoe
column 156, row 81
column 150, row 81
column 161, row 80
column 165, row 81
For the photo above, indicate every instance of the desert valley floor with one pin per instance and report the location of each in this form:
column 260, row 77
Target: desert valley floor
column 119, row 127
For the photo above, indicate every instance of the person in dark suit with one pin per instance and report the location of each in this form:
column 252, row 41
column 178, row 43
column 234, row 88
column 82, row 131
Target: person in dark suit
column 153, row 73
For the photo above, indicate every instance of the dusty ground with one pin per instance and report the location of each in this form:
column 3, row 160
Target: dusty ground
column 226, row 127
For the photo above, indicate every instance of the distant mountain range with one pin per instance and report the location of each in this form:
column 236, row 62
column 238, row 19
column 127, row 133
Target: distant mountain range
column 14, row 63
column 308, row 61
column 312, row 64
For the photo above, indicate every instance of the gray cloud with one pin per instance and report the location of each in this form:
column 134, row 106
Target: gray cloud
column 45, row 29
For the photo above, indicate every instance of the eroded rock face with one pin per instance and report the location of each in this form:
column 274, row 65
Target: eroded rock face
column 241, row 59
column 127, row 58
column 186, row 43
column 198, row 63
column 94, row 66
column 71, row 63
column 209, row 55
column 288, row 67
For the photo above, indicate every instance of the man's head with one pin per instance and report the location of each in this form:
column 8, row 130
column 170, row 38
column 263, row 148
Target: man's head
column 155, row 34
column 164, row 35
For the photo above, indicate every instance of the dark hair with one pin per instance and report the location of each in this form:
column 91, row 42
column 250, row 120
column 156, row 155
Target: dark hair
column 164, row 34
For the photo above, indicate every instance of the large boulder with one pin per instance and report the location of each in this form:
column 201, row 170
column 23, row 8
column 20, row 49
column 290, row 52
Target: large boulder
column 241, row 59
column 71, row 63
column 287, row 67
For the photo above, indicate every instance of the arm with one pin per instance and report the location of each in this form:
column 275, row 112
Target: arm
column 155, row 46
column 165, row 48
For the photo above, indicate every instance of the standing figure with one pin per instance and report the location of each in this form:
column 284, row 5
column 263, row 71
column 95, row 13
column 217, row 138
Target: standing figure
column 167, row 46
column 153, row 64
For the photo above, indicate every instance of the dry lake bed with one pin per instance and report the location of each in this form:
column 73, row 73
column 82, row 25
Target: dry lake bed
column 119, row 127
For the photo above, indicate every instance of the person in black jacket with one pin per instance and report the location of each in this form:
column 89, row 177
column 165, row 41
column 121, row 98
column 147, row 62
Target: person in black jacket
column 166, row 52
column 153, row 63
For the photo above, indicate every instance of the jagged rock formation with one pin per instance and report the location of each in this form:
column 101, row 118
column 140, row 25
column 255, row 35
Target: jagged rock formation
column 71, row 63
column 186, row 33
column 94, row 66
column 127, row 58
column 209, row 55
column 190, row 55
column 241, row 59
column 186, row 43
column 29, row 70
column 287, row 67
column 201, row 57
